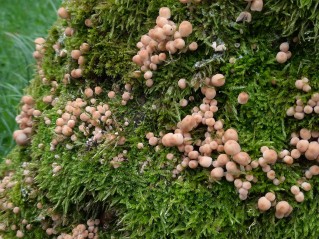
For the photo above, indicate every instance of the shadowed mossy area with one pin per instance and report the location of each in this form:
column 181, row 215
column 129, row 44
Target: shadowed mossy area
column 141, row 198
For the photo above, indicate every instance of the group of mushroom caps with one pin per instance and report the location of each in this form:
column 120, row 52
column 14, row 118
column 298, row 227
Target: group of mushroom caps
column 164, row 37
column 25, row 120
column 48, row 222
column 284, row 54
column 300, row 109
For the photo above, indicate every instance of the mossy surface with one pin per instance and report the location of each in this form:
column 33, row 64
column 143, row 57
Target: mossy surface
column 141, row 199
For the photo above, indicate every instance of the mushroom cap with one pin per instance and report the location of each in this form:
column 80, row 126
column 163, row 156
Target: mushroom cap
column 188, row 123
column 210, row 93
column 302, row 145
column 193, row 46
column 230, row 134
column 193, row 164
column 257, row 5
column 263, row 204
column 185, row 28
column 21, row 138
column 217, row 173
column 312, row 152
column 281, row 57
column 243, row 98
column 284, row 47
column 270, row 156
column 242, row 158
column 167, row 140
column 270, row 196
column 231, row 147
column 165, row 12
column 282, row 207
column 222, row 159
column 218, row 80
column 205, row 161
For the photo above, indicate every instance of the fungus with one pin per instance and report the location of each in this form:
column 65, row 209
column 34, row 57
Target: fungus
column 193, row 46
column 306, row 186
column 242, row 158
column 244, row 16
column 185, row 28
column 218, row 80
column 300, row 197
column 243, row 98
column 263, row 204
column 231, row 147
column 217, row 173
column 281, row 57
column 63, row 13
column 270, row 196
column 270, row 156
column 193, row 164
column 205, row 161
column 257, row 5
column 75, row 54
column 284, row 47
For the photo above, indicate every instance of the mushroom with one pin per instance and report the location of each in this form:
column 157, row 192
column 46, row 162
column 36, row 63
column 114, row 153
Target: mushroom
column 263, row 204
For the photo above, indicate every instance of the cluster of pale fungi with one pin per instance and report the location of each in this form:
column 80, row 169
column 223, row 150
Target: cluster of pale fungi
column 76, row 54
column 117, row 160
column 284, row 54
column 232, row 163
column 255, row 6
column 25, row 120
column 7, row 183
column 300, row 109
column 164, row 37
column 93, row 119
column 82, row 231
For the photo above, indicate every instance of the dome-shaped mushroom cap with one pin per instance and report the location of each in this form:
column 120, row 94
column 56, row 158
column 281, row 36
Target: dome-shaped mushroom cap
column 188, row 123
column 242, row 158
column 205, row 161
column 165, row 12
column 312, row 152
column 270, row 156
column 218, row 80
column 257, row 5
column 167, row 140
column 217, row 173
column 231, row 147
column 282, row 207
column 185, row 28
column 263, row 204
column 230, row 134
column 281, row 57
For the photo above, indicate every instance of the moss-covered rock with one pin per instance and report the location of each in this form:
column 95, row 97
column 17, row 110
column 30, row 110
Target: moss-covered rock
column 60, row 181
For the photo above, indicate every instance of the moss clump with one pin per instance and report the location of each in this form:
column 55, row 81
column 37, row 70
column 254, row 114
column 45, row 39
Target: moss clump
column 140, row 198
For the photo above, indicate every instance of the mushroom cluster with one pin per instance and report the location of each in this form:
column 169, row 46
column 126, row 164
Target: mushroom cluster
column 82, row 231
column 300, row 109
column 164, row 37
column 6, row 184
column 254, row 5
column 25, row 120
column 266, row 202
column 306, row 143
column 79, row 56
column 284, row 54
column 94, row 120
column 303, row 84
column 231, row 161
column 117, row 160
